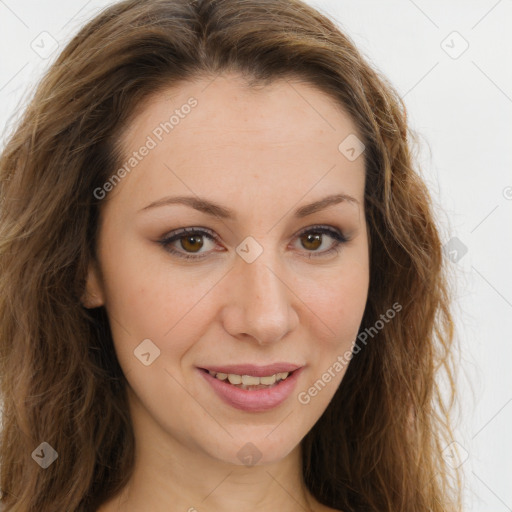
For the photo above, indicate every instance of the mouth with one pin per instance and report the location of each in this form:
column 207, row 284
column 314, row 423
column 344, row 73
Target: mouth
column 249, row 392
column 250, row 382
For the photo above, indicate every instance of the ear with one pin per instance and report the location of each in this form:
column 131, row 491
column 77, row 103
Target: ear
column 93, row 296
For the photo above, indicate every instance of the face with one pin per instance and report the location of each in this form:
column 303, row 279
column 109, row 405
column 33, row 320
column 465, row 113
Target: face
column 259, row 284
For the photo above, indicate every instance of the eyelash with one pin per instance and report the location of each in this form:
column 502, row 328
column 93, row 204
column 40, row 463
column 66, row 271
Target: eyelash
column 334, row 233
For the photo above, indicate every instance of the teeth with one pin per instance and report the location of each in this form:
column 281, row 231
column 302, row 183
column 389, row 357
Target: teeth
column 268, row 380
column 249, row 380
column 234, row 379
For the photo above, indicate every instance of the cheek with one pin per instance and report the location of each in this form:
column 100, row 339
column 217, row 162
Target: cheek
column 337, row 313
column 338, row 305
column 150, row 299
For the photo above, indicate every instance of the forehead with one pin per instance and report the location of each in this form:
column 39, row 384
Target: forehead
column 222, row 136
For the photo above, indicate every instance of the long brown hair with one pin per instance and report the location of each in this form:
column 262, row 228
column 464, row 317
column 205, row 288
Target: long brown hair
column 378, row 446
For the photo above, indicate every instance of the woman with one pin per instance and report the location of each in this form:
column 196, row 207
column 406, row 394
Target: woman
column 222, row 284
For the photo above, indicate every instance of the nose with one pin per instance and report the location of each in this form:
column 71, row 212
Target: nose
column 261, row 304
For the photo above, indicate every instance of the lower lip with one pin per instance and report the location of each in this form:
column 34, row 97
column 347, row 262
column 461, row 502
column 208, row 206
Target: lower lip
column 257, row 400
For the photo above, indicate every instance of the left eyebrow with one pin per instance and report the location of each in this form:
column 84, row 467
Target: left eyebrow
column 317, row 206
column 217, row 210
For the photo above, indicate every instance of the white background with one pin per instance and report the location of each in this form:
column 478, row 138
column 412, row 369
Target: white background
column 461, row 106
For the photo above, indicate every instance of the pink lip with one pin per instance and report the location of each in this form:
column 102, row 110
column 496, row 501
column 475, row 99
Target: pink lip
column 255, row 371
column 252, row 400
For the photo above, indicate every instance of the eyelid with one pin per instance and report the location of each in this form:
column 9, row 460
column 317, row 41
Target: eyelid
column 321, row 228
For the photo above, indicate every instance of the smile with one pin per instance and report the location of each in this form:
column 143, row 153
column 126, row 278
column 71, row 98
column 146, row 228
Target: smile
column 252, row 393
column 250, row 381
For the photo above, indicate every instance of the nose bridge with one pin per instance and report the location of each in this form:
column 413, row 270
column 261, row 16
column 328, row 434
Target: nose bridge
column 262, row 281
column 261, row 297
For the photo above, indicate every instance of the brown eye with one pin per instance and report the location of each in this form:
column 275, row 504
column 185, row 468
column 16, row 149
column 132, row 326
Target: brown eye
column 311, row 241
column 314, row 237
column 188, row 243
column 192, row 240
column 191, row 243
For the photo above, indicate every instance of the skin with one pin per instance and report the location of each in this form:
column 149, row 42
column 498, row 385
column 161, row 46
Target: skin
column 262, row 153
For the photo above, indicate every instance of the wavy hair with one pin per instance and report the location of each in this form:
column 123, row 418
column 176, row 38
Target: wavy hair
column 378, row 446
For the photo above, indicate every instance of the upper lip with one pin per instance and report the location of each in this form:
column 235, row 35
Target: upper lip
column 255, row 371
